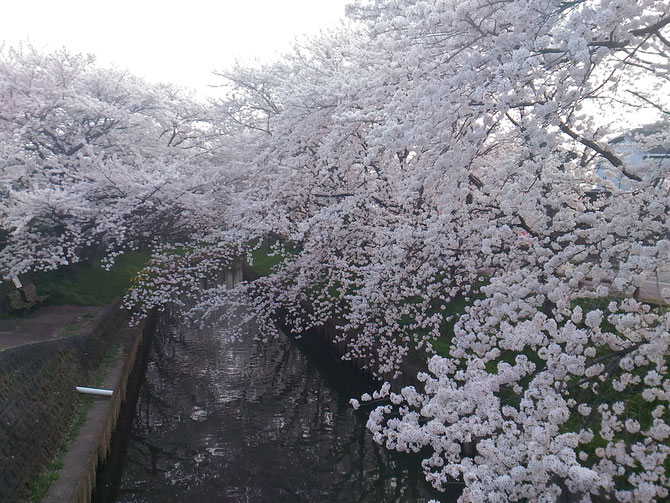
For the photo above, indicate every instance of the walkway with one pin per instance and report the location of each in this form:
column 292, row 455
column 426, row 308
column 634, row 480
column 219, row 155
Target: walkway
column 46, row 322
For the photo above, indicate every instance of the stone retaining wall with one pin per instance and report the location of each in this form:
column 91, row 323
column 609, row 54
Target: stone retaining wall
column 77, row 478
column 38, row 400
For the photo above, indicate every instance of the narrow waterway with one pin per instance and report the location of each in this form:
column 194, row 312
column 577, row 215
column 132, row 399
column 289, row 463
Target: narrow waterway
column 246, row 421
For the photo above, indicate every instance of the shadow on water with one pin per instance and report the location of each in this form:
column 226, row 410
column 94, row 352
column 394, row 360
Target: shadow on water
column 246, row 421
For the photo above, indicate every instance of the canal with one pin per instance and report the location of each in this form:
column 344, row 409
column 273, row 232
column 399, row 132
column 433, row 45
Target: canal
column 249, row 421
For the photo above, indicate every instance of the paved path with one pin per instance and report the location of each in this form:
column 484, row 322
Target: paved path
column 44, row 323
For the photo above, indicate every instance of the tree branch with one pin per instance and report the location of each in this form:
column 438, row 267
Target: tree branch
column 607, row 154
column 652, row 28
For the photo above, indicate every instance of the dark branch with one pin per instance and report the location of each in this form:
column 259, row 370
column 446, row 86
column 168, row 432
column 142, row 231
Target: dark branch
column 343, row 194
column 651, row 29
column 607, row 154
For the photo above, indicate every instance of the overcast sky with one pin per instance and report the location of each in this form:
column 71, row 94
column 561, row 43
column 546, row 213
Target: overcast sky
column 167, row 40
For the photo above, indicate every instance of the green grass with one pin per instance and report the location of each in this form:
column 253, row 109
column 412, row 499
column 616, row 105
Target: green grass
column 40, row 487
column 89, row 284
column 264, row 262
column 105, row 364
column 454, row 309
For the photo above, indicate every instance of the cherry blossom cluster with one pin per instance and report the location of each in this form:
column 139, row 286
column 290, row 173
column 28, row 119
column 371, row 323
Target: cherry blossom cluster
column 435, row 153
column 94, row 157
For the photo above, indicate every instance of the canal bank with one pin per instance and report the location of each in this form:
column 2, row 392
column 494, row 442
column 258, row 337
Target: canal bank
column 76, row 480
column 44, row 357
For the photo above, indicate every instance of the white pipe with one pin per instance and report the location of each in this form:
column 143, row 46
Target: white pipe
column 95, row 391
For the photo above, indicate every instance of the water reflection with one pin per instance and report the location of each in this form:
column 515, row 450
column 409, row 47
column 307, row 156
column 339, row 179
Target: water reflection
column 240, row 421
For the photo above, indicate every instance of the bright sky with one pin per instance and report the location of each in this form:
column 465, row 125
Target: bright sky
column 168, row 40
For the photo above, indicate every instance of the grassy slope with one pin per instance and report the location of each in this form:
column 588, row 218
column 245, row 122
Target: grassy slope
column 263, row 262
column 89, row 284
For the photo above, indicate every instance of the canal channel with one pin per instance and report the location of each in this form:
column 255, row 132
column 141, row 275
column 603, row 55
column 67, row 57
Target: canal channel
column 240, row 420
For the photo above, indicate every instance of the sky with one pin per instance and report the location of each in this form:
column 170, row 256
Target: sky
column 166, row 40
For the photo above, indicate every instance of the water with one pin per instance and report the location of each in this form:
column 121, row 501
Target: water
column 245, row 421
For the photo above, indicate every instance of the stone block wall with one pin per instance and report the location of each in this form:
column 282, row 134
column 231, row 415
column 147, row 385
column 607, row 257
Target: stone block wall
column 38, row 399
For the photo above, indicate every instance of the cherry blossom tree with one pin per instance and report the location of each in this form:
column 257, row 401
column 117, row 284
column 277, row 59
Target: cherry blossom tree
column 438, row 145
column 95, row 156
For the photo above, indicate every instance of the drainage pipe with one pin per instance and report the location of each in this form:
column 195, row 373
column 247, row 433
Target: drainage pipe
column 95, row 391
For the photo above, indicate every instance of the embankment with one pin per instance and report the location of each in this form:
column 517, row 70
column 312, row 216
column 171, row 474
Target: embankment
column 76, row 479
column 39, row 402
